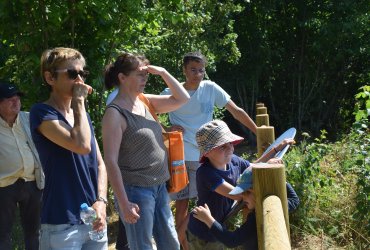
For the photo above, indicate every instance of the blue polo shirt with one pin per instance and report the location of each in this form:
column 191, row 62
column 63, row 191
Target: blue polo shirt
column 208, row 179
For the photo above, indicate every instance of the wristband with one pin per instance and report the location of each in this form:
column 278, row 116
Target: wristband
column 275, row 150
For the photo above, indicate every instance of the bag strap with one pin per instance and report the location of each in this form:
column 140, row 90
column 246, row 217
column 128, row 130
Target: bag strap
column 150, row 107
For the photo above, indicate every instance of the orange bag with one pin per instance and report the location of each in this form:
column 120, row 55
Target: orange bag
column 176, row 156
column 176, row 163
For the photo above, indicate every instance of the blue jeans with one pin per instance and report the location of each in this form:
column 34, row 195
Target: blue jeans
column 71, row 237
column 26, row 197
column 155, row 219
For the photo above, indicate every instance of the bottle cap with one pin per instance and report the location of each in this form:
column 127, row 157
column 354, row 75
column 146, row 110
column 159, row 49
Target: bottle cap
column 84, row 206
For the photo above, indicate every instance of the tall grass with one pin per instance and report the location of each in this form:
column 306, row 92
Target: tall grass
column 332, row 181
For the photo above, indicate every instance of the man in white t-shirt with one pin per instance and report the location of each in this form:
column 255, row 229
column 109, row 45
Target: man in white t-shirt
column 205, row 95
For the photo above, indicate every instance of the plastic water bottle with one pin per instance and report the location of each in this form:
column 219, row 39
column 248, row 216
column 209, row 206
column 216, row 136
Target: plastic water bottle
column 88, row 216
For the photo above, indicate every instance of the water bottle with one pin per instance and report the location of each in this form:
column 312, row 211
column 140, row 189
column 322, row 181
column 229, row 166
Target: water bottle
column 88, row 216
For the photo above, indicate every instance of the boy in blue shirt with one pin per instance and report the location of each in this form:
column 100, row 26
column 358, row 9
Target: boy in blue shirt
column 246, row 234
column 217, row 176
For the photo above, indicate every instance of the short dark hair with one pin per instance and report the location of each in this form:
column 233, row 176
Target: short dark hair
column 193, row 56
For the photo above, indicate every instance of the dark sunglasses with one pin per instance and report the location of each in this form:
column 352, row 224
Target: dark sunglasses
column 73, row 74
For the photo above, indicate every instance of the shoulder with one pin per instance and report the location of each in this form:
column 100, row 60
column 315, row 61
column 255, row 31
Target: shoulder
column 208, row 84
column 44, row 111
column 236, row 160
column 205, row 169
column 113, row 111
column 41, row 107
column 24, row 114
column 114, row 115
column 211, row 84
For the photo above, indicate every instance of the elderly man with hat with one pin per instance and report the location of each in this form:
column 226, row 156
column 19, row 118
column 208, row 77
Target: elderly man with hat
column 21, row 176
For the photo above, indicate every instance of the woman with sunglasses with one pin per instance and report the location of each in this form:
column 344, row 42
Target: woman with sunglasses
column 74, row 169
column 135, row 154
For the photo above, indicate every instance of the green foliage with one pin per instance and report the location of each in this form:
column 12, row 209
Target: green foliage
column 332, row 181
column 362, row 106
column 218, row 113
column 303, row 59
column 163, row 30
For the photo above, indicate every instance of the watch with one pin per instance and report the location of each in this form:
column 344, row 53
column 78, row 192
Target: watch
column 102, row 199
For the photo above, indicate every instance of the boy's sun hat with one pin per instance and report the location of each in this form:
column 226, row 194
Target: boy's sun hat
column 212, row 135
column 244, row 182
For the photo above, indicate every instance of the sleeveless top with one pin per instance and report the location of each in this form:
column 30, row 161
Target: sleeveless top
column 142, row 155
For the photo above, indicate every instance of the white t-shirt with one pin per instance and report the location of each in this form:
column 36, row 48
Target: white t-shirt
column 111, row 96
column 197, row 111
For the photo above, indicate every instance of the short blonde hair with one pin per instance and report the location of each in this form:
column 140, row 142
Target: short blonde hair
column 51, row 59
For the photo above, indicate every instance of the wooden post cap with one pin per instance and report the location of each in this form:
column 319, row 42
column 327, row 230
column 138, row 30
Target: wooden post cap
column 265, row 137
column 261, row 110
column 259, row 104
column 262, row 119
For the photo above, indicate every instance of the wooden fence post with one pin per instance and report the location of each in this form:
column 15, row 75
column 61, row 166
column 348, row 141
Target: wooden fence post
column 274, row 228
column 269, row 179
column 261, row 110
column 265, row 137
column 262, row 119
column 259, row 104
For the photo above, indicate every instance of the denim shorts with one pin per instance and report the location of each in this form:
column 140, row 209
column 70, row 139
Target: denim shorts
column 72, row 237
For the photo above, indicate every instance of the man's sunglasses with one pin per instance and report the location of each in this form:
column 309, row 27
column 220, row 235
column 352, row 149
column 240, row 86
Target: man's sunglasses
column 73, row 74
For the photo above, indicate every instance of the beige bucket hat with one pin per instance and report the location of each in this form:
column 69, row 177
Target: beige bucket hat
column 214, row 134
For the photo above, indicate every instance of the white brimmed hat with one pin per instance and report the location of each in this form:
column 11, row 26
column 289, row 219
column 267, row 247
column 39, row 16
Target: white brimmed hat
column 214, row 134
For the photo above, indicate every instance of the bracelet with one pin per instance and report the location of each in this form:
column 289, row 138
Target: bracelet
column 102, row 199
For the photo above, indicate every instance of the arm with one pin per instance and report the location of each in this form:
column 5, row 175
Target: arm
column 167, row 103
column 225, row 188
column 100, row 206
column 293, row 200
column 268, row 157
column 246, row 234
column 78, row 138
column 113, row 126
column 240, row 115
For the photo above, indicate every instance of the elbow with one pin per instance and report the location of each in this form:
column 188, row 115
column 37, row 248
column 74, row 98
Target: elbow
column 83, row 149
column 185, row 99
column 238, row 114
column 179, row 101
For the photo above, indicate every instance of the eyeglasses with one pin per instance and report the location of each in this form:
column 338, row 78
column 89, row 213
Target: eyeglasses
column 195, row 71
column 73, row 74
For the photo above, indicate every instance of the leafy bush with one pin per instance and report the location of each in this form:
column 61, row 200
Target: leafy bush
column 332, row 181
